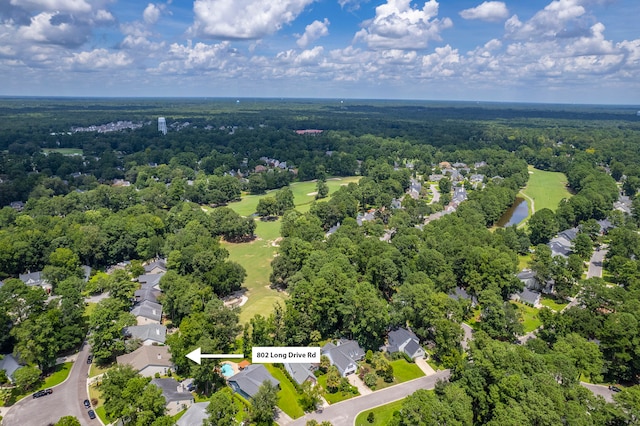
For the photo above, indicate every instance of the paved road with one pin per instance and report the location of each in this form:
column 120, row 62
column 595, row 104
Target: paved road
column 468, row 336
column 595, row 264
column 344, row 413
column 436, row 194
column 601, row 390
column 66, row 400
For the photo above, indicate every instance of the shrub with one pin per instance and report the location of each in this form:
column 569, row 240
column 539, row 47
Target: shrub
column 370, row 379
column 371, row 417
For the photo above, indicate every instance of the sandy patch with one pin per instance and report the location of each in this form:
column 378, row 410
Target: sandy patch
column 276, row 242
column 311, row 194
column 530, row 173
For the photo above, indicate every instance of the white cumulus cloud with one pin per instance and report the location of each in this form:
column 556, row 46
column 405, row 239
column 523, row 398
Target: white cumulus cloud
column 54, row 5
column 243, row 19
column 151, row 14
column 560, row 18
column 312, row 32
column 99, row 60
column 398, row 25
column 492, row 11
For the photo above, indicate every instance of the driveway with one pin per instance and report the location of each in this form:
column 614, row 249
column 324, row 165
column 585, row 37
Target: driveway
column 66, row 400
column 468, row 335
column 436, row 194
column 424, row 366
column 344, row 413
column 354, row 380
column 595, row 264
column 600, row 390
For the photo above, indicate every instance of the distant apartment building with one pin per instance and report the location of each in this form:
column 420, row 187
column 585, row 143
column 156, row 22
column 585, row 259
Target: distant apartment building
column 162, row 125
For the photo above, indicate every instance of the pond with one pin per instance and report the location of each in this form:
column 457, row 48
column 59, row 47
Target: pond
column 515, row 214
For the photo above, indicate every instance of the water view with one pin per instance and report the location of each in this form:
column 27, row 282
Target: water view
column 516, row 213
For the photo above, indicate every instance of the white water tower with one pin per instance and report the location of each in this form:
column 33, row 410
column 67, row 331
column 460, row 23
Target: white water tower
column 162, row 125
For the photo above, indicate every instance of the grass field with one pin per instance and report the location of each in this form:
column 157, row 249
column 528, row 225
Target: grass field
column 303, row 195
column 546, row 189
column 64, row 151
column 256, row 256
column 530, row 319
column 552, row 304
column 404, row 371
column 287, row 396
column 382, row 415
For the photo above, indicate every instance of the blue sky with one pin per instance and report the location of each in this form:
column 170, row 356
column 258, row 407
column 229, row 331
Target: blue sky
column 566, row 51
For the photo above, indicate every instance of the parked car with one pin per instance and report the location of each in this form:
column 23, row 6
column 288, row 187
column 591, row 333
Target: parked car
column 89, row 359
column 614, row 388
column 92, row 414
column 39, row 394
column 48, row 391
column 87, row 404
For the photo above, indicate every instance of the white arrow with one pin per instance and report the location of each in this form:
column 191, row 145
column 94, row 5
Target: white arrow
column 197, row 355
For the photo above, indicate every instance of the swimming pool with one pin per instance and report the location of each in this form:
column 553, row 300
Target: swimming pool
column 226, row 370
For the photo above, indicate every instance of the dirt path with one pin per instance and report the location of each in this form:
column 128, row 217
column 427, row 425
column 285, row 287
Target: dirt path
column 532, row 204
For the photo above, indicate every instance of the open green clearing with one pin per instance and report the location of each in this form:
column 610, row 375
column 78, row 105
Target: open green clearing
column 546, row 189
column 552, row 304
column 404, row 371
column 63, row 151
column 287, row 396
column 530, row 318
column 382, row 415
column 303, row 195
column 256, row 256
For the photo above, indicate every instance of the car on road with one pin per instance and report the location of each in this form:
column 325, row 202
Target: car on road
column 92, row 414
column 48, row 391
column 614, row 388
column 87, row 404
column 89, row 359
column 39, row 394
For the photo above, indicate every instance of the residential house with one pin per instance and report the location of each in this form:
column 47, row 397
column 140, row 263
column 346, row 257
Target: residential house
column 444, row 165
column 368, row 216
column 459, row 195
column 332, row 230
column 149, row 360
column 301, row 372
column 460, row 293
column 17, row 205
column 403, row 340
column 436, row 177
column 151, row 280
column 562, row 244
column 156, row 267
column 528, row 297
column 175, row 394
column 344, row 355
column 147, row 312
column 148, row 333
column 195, row 415
column 479, row 164
column 147, row 293
column 34, row 279
column 9, row 364
column 248, row 381
column 531, row 282
column 459, row 165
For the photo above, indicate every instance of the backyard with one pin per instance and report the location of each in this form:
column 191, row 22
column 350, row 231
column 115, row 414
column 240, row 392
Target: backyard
column 287, row 396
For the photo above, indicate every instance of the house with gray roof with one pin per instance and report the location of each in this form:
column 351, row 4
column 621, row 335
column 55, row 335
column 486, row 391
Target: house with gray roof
column 344, row 355
column 528, row 297
column 147, row 312
column 149, row 360
column 175, row 395
column 150, row 280
column 301, row 372
column 562, row 244
column 148, row 333
column 35, row 279
column 156, row 267
column 9, row 364
column 147, row 293
column 248, row 381
column 195, row 415
column 460, row 293
column 403, row 340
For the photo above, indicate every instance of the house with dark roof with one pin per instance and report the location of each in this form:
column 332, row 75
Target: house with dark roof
column 460, row 293
column 403, row 340
column 175, row 395
column 148, row 333
column 147, row 293
column 148, row 360
column 248, row 381
column 562, row 244
column 344, row 355
column 147, row 312
column 301, row 372
column 528, row 297
column 35, row 279
column 195, row 415
column 9, row 364
column 156, row 267
column 151, row 280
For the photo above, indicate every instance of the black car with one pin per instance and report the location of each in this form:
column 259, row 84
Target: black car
column 615, row 389
column 48, row 391
column 89, row 359
column 39, row 394
column 92, row 414
column 87, row 404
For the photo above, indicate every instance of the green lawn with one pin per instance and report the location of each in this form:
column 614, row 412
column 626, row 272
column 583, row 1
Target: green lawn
column 546, row 189
column 404, row 371
column 94, row 393
column 287, row 396
column 524, row 261
column 333, row 398
column 64, row 151
column 530, row 319
column 382, row 414
column 303, row 195
column 96, row 369
column 256, row 256
column 552, row 303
